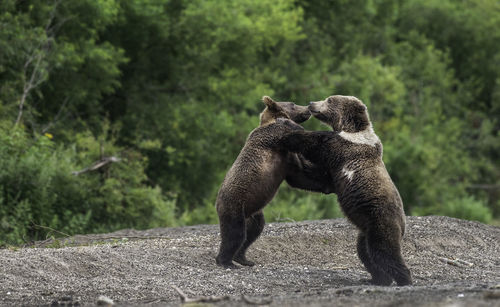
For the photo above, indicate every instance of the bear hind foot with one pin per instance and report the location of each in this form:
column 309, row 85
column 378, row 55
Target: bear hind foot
column 403, row 278
column 243, row 261
column 381, row 280
column 225, row 264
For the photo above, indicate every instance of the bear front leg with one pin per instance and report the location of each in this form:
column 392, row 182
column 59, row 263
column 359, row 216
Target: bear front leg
column 305, row 142
column 290, row 124
column 305, row 175
column 294, row 141
column 254, row 226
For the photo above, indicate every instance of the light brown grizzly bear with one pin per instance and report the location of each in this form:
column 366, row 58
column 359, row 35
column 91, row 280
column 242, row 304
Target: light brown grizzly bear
column 352, row 153
column 255, row 177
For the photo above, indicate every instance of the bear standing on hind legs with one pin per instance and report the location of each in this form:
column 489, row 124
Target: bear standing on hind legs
column 352, row 153
column 256, row 175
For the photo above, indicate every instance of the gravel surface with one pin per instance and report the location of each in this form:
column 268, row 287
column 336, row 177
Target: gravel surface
column 453, row 262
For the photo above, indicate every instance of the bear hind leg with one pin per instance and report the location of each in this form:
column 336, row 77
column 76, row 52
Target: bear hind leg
column 379, row 277
column 232, row 231
column 385, row 252
column 254, row 226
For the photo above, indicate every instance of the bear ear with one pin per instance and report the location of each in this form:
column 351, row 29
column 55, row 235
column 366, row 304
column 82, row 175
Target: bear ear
column 361, row 108
column 270, row 103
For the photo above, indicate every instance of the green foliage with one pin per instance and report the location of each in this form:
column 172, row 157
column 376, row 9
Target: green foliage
column 292, row 205
column 173, row 88
column 40, row 195
column 462, row 208
column 205, row 214
column 377, row 85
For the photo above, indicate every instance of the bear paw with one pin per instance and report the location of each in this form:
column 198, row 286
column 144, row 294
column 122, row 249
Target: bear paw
column 226, row 264
column 289, row 123
column 244, row 261
column 381, row 280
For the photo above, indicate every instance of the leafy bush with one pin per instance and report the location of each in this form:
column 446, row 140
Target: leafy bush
column 294, row 205
column 463, row 208
column 179, row 82
column 205, row 214
column 40, row 195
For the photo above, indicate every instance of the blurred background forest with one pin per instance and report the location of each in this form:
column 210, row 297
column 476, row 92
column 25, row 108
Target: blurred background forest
column 170, row 90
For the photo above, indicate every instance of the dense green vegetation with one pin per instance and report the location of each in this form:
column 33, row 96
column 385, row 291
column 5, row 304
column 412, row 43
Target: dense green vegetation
column 171, row 89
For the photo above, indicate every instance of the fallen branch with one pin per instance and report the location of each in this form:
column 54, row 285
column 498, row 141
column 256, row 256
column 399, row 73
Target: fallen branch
column 201, row 299
column 77, row 240
column 456, row 262
column 492, row 294
column 284, row 219
column 125, row 237
column 104, row 161
column 256, row 302
column 50, row 229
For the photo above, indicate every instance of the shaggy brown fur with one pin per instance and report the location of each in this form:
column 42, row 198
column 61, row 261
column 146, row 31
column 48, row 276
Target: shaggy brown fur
column 255, row 176
column 352, row 153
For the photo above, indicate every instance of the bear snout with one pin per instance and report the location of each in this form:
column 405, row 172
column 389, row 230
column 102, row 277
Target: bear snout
column 314, row 106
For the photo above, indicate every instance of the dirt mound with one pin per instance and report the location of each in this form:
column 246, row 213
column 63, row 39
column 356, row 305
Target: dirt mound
column 314, row 262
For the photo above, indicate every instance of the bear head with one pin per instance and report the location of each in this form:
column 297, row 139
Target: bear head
column 275, row 110
column 342, row 113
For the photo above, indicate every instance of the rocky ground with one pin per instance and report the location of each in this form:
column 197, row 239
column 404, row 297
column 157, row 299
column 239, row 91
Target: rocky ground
column 454, row 263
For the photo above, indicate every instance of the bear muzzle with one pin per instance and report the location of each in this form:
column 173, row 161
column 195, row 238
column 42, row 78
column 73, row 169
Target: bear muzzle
column 316, row 107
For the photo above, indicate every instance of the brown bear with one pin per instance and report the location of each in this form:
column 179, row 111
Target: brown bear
column 256, row 175
column 352, row 153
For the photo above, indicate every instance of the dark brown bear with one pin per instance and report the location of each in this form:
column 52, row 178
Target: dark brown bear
column 255, row 176
column 352, row 153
